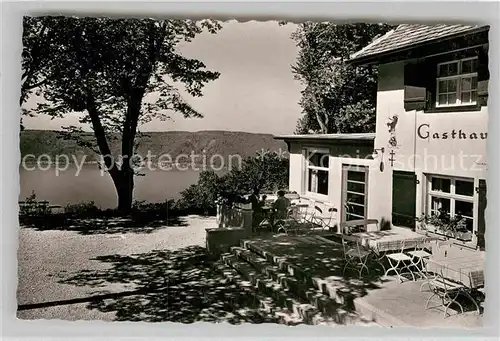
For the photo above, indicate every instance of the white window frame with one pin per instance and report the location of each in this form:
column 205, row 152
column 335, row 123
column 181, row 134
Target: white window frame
column 308, row 167
column 453, row 196
column 459, row 76
column 360, row 169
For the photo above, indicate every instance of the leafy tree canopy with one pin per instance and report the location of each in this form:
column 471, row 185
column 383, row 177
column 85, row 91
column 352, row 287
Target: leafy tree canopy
column 336, row 98
column 266, row 171
column 120, row 73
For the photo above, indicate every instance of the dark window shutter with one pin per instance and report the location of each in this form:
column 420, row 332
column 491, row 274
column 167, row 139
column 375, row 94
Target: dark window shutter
column 481, row 222
column 418, row 79
column 404, row 196
column 483, row 76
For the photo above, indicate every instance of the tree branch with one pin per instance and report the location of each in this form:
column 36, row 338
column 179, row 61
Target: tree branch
column 135, row 102
column 100, row 135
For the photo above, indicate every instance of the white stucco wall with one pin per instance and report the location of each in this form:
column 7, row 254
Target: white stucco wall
column 298, row 166
column 377, row 182
column 296, row 172
column 464, row 157
column 422, row 134
column 459, row 156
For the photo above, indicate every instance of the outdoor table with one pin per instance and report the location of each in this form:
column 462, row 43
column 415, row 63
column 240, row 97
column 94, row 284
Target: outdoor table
column 388, row 241
column 459, row 265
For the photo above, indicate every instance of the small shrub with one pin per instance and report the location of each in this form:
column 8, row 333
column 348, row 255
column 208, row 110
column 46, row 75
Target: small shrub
column 82, row 210
column 266, row 171
column 385, row 225
column 200, row 198
column 33, row 207
column 158, row 210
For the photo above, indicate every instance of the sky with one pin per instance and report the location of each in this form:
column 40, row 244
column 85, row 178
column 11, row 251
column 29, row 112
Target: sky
column 255, row 93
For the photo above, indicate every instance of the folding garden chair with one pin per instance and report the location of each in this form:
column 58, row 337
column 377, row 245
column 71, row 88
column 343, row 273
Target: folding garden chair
column 420, row 253
column 307, row 211
column 428, row 276
column 399, row 261
column 293, row 197
column 465, row 291
column 442, row 247
column 358, row 225
column 355, row 255
column 325, row 218
column 446, row 290
column 299, row 216
column 290, row 222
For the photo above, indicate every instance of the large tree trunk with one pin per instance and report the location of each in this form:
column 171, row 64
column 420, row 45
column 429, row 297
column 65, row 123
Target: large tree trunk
column 123, row 177
column 125, row 183
column 125, row 189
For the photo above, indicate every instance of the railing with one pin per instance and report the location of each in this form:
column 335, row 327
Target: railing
column 31, row 207
column 232, row 215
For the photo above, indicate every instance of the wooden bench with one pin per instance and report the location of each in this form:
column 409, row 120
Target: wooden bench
column 359, row 225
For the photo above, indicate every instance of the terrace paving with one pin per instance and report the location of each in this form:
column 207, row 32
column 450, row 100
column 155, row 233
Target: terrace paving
column 318, row 262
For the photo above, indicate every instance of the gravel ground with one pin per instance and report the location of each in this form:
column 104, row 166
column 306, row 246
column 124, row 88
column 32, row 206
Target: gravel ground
column 48, row 258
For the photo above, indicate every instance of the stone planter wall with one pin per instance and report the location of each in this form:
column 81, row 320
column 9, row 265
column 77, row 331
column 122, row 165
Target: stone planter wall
column 220, row 240
column 233, row 225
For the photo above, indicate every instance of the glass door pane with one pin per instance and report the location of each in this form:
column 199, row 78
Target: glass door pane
column 354, row 192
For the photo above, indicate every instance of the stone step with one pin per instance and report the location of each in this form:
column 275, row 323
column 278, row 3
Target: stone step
column 380, row 317
column 267, row 306
column 272, row 271
column 281, row 295
column 325, row 304
column 332, row 287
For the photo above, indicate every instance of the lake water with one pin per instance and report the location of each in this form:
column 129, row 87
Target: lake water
column 91, row 185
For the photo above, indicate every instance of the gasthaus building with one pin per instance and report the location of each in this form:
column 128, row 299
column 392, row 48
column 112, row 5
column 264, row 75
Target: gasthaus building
column 429, row 149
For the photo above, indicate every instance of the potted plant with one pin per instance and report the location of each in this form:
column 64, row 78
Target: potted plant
column 462, row 233
column 421, row 224
column 442, row 224
column 431, row 223
column 437, row 223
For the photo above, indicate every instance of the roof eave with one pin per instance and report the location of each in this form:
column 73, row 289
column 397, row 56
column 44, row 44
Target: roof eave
column 375, row 58
column 325, row 139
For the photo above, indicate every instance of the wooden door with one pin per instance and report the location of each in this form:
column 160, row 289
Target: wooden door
column 404, row 198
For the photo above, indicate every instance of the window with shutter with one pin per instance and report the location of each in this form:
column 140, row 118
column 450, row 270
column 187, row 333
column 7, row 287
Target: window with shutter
column 483, row 76
column 481, row 222
column 419, row 82
column 457, row 83
column 416, row 87
column 452, row 82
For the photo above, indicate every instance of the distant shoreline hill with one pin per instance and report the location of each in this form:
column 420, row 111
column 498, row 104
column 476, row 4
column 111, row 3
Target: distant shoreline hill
column 173, row 143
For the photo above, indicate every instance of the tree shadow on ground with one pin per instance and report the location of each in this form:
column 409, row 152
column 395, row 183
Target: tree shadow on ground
column 104, row 224
column 177, row 286
column 310, row 259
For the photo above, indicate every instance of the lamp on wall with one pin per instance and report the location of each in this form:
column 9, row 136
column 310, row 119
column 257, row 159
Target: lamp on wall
column 375, row 152
column 375, row 155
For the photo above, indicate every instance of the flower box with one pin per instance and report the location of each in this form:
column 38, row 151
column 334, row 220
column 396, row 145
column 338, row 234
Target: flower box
column 463, row 236
column 442, row 225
